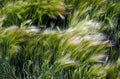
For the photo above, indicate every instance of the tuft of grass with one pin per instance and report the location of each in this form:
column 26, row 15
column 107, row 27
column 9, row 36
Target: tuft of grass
column 40, row 12
column 73, row 53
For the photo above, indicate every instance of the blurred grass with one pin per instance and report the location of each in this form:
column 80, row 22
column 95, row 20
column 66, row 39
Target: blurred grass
column 51, row 39
column 39, row 11
column 52, row 54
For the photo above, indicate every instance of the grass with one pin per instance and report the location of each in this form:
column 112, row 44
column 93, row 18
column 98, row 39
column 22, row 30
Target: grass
column 51, row 39
column 52, row 53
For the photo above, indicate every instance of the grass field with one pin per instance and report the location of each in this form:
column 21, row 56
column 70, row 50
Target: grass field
column 59, row 39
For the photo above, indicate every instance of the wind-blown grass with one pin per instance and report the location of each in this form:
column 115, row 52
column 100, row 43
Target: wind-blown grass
column 83, row 45
column 73, row 53
column 40, row 12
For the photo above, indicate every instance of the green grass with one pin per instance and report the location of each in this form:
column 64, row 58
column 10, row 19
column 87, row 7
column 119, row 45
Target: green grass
column 51, row 39
column 53, row 54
